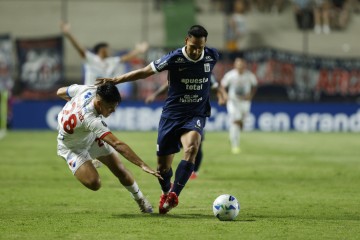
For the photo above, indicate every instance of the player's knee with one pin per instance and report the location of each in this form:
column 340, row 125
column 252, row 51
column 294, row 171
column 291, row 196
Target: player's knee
column 94, row 184
column 191, row 149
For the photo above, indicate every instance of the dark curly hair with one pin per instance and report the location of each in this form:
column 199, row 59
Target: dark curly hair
column 109, row 93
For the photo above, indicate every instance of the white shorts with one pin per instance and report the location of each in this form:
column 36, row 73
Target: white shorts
column 76, row 158
column 237, row 109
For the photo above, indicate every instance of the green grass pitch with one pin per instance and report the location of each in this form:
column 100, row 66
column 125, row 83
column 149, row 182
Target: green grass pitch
column 289, row 185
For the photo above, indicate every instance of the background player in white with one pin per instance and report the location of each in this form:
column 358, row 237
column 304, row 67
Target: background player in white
column 99, row 63
column 241, row 85
column 84, row 136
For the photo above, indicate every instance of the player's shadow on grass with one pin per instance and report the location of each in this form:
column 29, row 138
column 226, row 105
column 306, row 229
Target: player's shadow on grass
column 179, row 216
column 174, row 216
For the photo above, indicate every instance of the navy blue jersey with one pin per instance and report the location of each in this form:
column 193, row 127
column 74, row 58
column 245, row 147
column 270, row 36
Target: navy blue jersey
column 189, row 83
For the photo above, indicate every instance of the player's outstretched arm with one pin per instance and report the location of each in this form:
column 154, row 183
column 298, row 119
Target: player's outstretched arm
column 65, row 28
column 62, row 92
column 122, row 148
column 141, row 73
column 139, row 49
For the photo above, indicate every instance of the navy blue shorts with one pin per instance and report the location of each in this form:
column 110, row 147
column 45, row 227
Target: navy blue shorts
column 171, row 130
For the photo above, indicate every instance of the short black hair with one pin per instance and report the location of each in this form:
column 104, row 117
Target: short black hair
column 197, row 31
column 109, row 93
column 98, row 46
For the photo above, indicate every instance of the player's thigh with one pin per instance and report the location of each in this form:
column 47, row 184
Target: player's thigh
column 88, row 175
column 191, row 142
column 73, row 159
column 168, row 140
column 244, row 109
column 191, row 138
column 234, row 110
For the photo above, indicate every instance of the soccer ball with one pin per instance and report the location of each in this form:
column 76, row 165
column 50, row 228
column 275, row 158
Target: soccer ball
column 226, row 207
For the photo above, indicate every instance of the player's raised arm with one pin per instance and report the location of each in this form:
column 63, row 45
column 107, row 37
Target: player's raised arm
column 62, row 92
column 122, row 148
column 65, row 28
column 141, row 73
column 139, row 49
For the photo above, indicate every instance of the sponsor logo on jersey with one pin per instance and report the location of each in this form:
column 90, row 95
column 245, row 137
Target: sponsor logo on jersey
column 207, row 67
column 103, row 123
column 194, row 80
column 179, row 60
column 208, row 59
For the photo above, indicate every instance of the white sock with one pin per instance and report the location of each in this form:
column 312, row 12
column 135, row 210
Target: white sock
column 135, row 191
column 234, row 133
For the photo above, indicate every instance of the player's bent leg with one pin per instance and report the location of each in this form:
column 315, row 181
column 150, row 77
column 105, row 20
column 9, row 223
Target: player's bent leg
column 113, row 162
column 88, row 176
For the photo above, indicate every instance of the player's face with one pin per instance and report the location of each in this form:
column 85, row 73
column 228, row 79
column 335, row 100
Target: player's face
column 195, row 46
column 104, row 52
column 107, row 108
column 240, row 64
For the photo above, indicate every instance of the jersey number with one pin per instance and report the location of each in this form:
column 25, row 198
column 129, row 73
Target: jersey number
column 99, row 142
column 70, row 124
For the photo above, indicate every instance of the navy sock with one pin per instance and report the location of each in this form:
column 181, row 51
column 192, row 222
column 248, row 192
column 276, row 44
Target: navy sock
column 198, row 159
column 182, row 175
column 166, row 183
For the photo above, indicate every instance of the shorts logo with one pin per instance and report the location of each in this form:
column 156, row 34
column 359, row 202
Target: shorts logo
column 72, row 163
column 207, row 67
column 88, row 94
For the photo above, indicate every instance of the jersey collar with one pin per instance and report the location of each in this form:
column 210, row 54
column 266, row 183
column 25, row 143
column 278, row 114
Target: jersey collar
column 188, row 58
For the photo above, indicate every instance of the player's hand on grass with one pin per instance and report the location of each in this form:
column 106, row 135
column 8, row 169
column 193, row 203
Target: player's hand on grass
column 152, row 172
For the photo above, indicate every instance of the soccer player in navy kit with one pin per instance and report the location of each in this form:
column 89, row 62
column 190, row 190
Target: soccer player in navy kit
column 185, row 109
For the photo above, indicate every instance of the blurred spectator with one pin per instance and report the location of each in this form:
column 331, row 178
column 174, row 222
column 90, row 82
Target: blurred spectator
column 236, row 25
column 339, row 14
column 303, row 10
column 355, row 6
column 217, row 6
column 274, row 6
column 277, row 6
column 262, row 5
column 322, row 16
